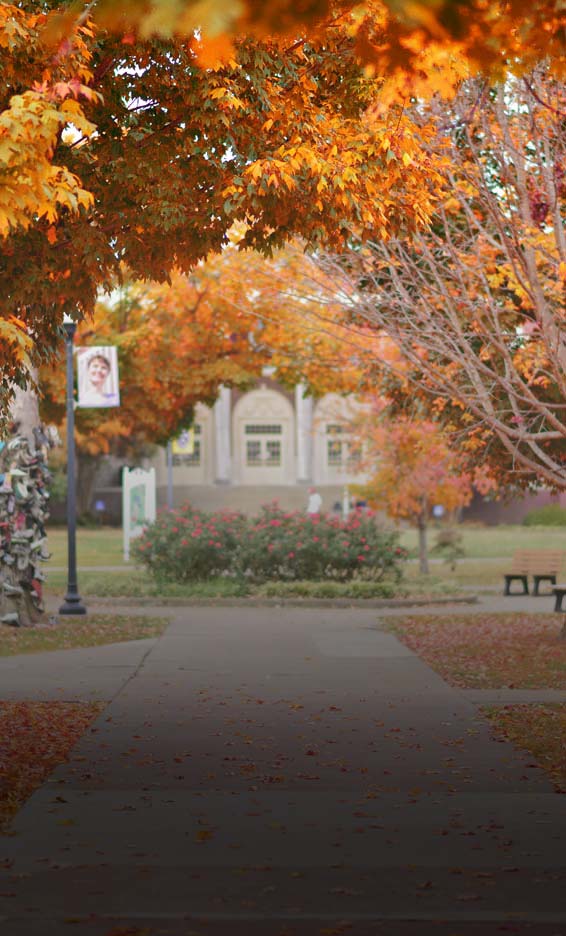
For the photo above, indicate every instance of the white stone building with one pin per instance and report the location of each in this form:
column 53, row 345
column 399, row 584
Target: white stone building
column 263, row 445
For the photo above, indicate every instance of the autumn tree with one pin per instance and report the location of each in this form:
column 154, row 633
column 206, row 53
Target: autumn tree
column 411, row 468
column 121, row 146
column 140, row 132
column 176, row 345
column 475, row 304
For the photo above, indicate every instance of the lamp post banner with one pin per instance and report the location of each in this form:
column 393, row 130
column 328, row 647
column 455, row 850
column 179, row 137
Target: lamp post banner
column 98, row 379
column 138, row 503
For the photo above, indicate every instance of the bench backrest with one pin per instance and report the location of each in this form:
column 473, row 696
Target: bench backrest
column 538, row 562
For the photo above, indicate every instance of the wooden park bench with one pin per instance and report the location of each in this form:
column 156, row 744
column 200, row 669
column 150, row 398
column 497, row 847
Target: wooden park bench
column 559, row 592
column 543, row 565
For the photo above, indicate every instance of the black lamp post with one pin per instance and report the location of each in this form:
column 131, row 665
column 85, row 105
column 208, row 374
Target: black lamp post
column 72, row 603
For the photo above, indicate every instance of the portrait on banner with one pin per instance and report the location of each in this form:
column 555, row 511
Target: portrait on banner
column 98, row 380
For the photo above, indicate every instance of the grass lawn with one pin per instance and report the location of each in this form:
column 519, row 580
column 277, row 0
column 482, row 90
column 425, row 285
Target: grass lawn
column 136, row 584
column 538, row 729
column 481, row 542
column 484, row 563
column 34, row 738
column 489, row 651
column 101, row 546
column 90, row 631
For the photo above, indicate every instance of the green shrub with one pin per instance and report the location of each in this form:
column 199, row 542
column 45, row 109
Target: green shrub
column 355, row 589
column 449, row 545
column 549, row 515
column 188, row 545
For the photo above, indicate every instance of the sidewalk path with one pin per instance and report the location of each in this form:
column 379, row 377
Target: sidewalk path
column 280, row 771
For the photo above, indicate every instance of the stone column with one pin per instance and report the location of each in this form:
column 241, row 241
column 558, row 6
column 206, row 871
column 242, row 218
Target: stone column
column 222, row 420
column 303, row 418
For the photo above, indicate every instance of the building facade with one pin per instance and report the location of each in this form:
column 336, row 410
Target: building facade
column 263, row 445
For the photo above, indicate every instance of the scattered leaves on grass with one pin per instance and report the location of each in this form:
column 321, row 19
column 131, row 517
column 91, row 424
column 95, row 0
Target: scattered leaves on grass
column 538, row 729
column 490, row 651
column 91, row 631
column 34, row 738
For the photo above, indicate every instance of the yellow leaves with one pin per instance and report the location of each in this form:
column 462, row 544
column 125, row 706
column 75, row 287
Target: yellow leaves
column 255, row 170
column 31, row 186
column 14, row 333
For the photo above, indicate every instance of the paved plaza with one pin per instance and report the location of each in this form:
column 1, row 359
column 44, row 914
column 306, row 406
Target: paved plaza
column 283, row 772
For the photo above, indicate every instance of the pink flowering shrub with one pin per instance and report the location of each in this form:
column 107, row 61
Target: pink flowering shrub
column 299, row 546
column 187, row 545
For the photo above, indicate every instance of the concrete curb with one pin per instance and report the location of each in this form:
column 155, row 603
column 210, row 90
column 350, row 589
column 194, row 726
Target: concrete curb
column 279, row 602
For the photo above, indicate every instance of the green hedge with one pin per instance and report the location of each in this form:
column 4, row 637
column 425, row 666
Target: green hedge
column 549, row 515
column 189, row 545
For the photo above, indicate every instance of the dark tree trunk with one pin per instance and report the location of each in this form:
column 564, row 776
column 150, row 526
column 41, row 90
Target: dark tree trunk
column 423, row 546
column 87, row 471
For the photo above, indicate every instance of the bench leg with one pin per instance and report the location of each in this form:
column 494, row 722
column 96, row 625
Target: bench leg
column 537, row 579
column 558, row 600
column 519, row 578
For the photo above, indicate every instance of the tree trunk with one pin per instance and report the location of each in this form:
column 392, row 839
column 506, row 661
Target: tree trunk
column 21, row 601
column 87, row 470
column 423, row 548
column 25, row 412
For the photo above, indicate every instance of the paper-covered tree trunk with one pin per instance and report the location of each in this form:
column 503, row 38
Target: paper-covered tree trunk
column 24, row 496
column 24, row 411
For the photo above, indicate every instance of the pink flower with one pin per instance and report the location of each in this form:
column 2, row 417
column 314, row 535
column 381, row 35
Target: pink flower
column 361, row 558
column 174, row 529
column 184, row 542
column 315, row 539
column 275, row 523
column 291, row 555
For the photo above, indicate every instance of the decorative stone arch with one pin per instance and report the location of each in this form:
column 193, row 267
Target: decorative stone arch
column 332, row 452
column 263, row 423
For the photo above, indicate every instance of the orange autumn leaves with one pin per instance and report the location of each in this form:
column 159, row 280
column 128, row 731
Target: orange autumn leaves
column 35, row 737
column 178, row 344
column 116, row 145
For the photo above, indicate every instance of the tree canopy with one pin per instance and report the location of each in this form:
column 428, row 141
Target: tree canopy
column 474, row 304
column 140, row 133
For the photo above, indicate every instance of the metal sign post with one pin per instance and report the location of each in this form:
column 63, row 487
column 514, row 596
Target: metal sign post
column 72, row 603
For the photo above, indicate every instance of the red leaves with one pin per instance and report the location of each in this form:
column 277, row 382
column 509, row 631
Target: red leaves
column 540, row 729
column 34, row 738
column 489, row 651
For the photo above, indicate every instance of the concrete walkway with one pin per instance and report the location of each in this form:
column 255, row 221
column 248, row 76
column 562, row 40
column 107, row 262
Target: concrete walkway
column 280, row 772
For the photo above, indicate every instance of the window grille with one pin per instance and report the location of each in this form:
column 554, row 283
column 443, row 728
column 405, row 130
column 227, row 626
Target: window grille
column 273, row 456
column 266, row 453
column 253, row 453
column 335, row 453
column 263, row 429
